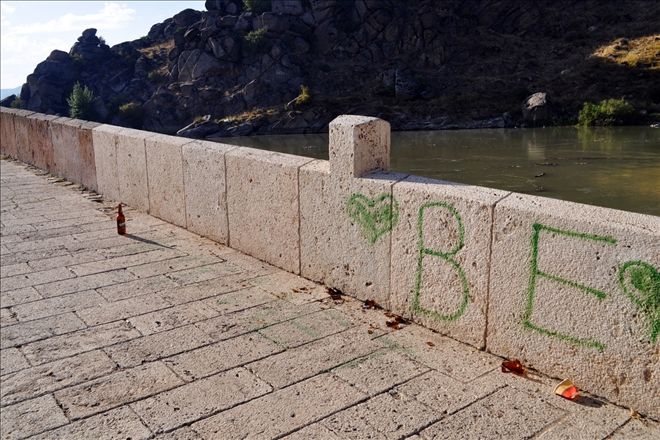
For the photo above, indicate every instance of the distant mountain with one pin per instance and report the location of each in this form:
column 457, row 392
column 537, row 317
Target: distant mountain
column 291, row 66
column 6, row 92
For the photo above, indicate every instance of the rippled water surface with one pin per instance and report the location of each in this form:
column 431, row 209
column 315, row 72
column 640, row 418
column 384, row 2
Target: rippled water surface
column 612, row 167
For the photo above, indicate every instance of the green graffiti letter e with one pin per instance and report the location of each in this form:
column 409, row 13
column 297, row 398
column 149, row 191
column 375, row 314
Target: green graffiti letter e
column 536, row 273
column 448, row 256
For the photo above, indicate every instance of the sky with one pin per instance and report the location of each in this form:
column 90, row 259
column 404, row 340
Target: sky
column 30, row 30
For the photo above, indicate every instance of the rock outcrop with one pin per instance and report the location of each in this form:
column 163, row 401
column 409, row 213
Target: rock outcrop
column 421, row 64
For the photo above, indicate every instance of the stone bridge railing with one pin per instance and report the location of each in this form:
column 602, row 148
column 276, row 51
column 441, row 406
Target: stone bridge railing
column 571, row 290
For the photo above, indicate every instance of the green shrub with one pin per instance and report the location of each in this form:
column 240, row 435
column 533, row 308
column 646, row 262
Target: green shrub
column 81, row 102
column 256, row 39
column 257, row 6
column 17, row 103
column 132, row 114
column 607, row 112
column 303, row 97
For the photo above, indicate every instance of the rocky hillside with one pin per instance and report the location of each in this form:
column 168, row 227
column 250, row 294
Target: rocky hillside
column 289, row 66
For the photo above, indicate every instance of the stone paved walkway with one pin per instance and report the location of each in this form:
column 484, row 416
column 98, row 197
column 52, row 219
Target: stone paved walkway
column 163, row 334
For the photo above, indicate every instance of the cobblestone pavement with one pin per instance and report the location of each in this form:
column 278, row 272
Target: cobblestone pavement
column 163, row 334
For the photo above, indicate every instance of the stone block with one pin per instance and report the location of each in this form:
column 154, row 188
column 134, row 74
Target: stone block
column 21, row 131
column 345, row 228
column 165, row 171
column 574, row 293
column 132, row 168
column 7, row 134
column 263, row 205
column 73, row 151
column 440, row 256
column 358, row 145
column 41, row 144
column 205, row 189
column 104, row 141
column 86, row 151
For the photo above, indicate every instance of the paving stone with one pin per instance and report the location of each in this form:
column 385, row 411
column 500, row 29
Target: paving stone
column 35, row 278
column 14, row 269
column 221, row 356
column 255, row 318
column 7, row 317
column 200, row 399
column 117, row 424
column 503, row 414
column 290, row 287
column 317, row 431
column 58, row 305
column 123, row 309
column 308, row 328
column 25, row 332
column 26, row 256
column 239, row 300
column 391, row 415
column 65, row 260
column 203, row 273
column 168, row 266
column 11, row 359
column 62, row 346
column 205, row 189
column 300, row 363
column 446, row 395
column 252, row 265
column 137, row 288
column 173, row 317
column 379, row 371
column 46, row 378
column 184, row 433
column 158, row 345
column 266, row 417
column 31, row 417
column 203, row 290
column 165, row 178
column 443, row 354
column 643, row 429
column 262, row 202
column 84, row 283
column 123, row 261
column 116, row 389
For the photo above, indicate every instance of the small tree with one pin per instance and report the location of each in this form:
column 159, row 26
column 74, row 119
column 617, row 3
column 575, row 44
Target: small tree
column 81, row 102
column 257, row 6
column 607, row 112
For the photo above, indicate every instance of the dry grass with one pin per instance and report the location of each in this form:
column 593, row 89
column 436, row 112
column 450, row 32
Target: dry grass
column 160, row 49
column 642, row 52
column 250, row 115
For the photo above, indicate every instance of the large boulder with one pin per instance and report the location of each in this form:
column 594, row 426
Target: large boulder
column 536, row 109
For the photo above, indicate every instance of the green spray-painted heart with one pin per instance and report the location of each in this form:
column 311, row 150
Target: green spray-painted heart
column 376, row 216
column 641, row 282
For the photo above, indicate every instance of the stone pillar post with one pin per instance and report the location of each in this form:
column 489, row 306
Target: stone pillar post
column 358, row 145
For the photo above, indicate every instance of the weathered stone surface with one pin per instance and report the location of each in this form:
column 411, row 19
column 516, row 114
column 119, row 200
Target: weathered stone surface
column 11, row 360
column 25, row 332
column 116, row 389
column 308, row 328
column 19, row 296
column 290, row 287
column 53, row 376
column 165, row 176
column 118, row 424
column 136, row 288
column 7, row 133
column 132, row 168
column 62, row 346
column 66, row 155
column 123, row 309
column 488, row 419
column 199, row 399
column 573, row 283
column 77, row 284
column 31, row 417
column 262, row 202
column 41, row 144
column 358, row 145
column 167, row 319
column 440, row 256
column 266, row 418
column 104, row 140
column 345, row 229
column 21, row 132
column 205, row 189
column 35, row 279
column 221, row 356
column 58, row 305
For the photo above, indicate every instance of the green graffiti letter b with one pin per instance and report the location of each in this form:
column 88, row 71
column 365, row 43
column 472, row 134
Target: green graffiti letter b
column 537, row 273
column 448, row 257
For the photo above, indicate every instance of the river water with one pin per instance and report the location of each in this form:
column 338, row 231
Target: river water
column 612, row 167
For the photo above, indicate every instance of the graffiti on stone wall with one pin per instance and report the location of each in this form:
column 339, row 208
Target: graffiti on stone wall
column 641, row 282
column 375, row 216
column 447, row 257
column 537, row 273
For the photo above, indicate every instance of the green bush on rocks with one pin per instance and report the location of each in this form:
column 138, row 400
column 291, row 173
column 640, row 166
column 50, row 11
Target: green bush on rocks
column 607, row 112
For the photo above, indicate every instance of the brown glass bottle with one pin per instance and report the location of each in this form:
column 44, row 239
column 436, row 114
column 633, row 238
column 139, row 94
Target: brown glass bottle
column 121, row 221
